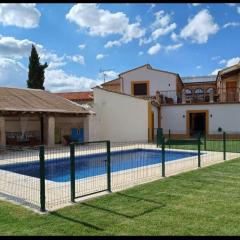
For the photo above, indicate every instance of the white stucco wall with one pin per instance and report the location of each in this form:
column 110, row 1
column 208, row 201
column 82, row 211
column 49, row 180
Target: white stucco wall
column 158, row 80
column 90, row 128
column 120, row 117
column 226, row 116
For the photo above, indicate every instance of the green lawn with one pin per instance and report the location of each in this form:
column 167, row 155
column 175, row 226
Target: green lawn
column 201, row 202
column 212, row 145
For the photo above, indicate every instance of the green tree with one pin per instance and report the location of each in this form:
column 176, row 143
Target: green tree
column 36, row 71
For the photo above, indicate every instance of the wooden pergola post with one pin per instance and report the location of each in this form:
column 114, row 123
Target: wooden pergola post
column 50, row 131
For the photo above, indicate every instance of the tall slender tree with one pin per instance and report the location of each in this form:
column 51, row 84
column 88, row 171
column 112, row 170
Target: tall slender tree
column 36, row 71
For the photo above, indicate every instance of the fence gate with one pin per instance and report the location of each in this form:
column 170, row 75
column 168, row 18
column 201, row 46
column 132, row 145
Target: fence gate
column 89, row 168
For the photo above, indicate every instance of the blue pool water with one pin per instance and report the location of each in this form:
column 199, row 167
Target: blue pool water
column 58, row 170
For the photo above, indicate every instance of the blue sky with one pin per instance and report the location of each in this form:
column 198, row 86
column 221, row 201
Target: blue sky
column 77, row 40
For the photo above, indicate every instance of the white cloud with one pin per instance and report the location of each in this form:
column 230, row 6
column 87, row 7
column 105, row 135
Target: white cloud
column 54, row 61
column 54, row 65
column 152, row 5
column 110, row 44
column 161, row 26
column 173, row 47
column 144, row 41
column 174, row 36
column 100, row 22
column 109, row 75
column 198, row 67
column 163, row 31
column 101, row 56
column 58, row 80
column 140, row 53
column 238, row 10
column 223, row 61
column 231, row 24
column 154, row 49
column 232, row 61
column 12, row 73
column 161, row 20
column 77, row 58
column 132, row 31
column 82, row 46
column 19, row 15
column 215, row 72
column 196, row 4
column 200, row 27
column 15, row 48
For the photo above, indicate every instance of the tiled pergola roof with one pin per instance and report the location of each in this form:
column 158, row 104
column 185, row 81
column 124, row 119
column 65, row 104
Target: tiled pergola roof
column 35, row 100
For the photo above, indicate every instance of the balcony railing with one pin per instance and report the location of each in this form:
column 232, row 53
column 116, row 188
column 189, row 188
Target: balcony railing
column 219, row 96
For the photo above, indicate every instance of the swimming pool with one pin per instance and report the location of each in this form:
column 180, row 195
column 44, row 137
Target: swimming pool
column 58, row 170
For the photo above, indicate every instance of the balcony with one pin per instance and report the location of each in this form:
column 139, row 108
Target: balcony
column 198, row 97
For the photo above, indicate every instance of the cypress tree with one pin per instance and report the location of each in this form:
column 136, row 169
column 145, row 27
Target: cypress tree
column 36, row 71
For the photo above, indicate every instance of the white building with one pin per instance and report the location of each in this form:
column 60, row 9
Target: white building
column 143, row 99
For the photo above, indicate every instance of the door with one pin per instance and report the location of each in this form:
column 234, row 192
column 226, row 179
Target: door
column 197, row 124
column 231, row 91
column 197, row 121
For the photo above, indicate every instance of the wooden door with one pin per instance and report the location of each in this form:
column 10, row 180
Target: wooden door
column 231, row 91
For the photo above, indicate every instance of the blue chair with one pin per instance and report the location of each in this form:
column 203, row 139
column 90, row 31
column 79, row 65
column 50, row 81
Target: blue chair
column 77, row 135
column 81, row 135
column 74, row 135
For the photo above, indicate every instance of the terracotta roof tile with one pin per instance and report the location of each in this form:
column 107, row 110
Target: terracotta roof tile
column 82, row 96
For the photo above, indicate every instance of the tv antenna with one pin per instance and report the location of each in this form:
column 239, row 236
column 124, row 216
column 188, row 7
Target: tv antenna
column 103, row 71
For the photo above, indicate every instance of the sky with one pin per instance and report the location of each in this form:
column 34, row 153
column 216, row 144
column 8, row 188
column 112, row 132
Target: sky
column 80, row 42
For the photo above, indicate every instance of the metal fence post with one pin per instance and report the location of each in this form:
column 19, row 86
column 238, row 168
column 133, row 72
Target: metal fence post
column 199, row 150
column 163, row 156
column 42, row 178
column 224, row 145
column 169, row 136
column 205, row 142
column 108, row 167
column 72, row 171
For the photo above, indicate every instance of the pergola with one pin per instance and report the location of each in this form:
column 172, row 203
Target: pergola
column 45, row 106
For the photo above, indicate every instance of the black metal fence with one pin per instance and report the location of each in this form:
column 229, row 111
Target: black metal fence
column 15, row 183
column 49, row 178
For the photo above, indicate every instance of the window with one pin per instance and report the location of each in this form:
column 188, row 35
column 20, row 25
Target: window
column 140, row 89
column 199, row 91
column 210, row 90
column 188, row 91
